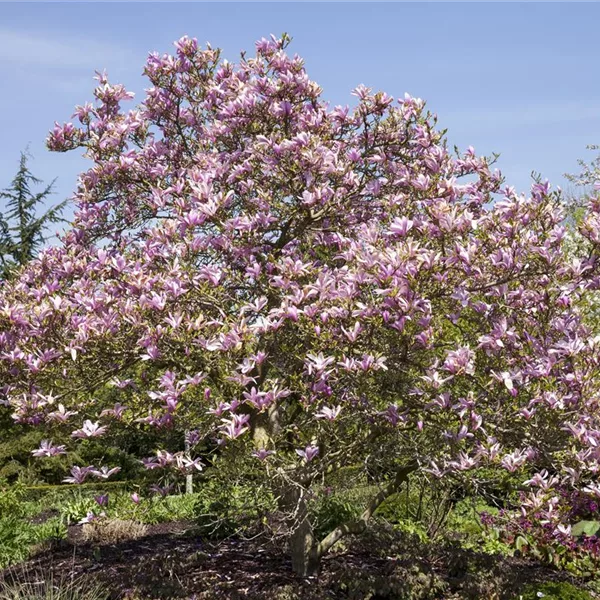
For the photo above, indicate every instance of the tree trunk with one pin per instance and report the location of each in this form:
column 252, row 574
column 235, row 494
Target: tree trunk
column 189, row 478
column 303, row 545
column 304, row 550
column 264, row 426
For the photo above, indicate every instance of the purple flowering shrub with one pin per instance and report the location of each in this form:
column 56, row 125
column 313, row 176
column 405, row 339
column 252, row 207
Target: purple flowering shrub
column 309, row 287
column 574, row 545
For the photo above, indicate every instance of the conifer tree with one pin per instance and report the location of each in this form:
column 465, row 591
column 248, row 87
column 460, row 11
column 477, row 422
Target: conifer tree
column 22, row 230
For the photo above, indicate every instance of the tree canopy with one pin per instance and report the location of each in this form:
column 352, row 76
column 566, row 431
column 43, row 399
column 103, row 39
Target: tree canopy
column 309, row 286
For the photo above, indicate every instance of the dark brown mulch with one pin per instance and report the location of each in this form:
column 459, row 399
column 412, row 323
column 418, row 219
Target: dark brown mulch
column 172, row 562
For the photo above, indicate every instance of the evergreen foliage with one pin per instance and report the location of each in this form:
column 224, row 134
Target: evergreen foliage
column 22, row 228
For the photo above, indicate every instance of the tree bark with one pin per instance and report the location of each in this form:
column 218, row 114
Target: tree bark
column 189, row 478
column 305, row 550
column 189, row 484
column 303, row 545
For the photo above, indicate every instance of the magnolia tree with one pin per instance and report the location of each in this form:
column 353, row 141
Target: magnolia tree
column 312, row 287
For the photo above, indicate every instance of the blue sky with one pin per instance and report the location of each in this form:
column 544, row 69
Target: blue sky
column 518, row 79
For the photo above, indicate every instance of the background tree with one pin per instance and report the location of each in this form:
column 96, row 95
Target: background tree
column 586, row 188
column 22, row 229
column 22, row 234
column 310, row 288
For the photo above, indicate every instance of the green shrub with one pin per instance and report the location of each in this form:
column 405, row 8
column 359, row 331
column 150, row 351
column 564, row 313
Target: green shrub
column 53, row 529
column 75, row 510
column 226, row 508
column 17, row 533
column 423, row 502
column 399, row 583
column 19, row 536
column 553, row 591
column 394, row 509
column 219, row 511
column 16, row 539
column 155, row 509
column 11, row 499
column 54, row 495
column 348, row 477
column 332, row 510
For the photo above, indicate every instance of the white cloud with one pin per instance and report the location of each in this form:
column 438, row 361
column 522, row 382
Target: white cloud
column 38, row 50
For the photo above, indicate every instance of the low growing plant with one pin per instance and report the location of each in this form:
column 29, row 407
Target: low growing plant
column 553, row 591
column 43, row 586
column 105, row 530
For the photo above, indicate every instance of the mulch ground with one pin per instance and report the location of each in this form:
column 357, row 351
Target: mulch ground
column 171, row 562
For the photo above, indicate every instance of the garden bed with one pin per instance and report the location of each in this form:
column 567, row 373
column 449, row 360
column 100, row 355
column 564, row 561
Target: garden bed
column 170, row 561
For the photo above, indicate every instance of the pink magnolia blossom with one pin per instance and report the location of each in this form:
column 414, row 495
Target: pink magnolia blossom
column 105, row 472
column 162, row 491
column 308, row 453
column 47, row 448
column 460, row 361
column 89, row 430
column 116, row 412
column 101, row 500
column 262, row 453
column 401, row 226
column 317, row 363
column 89, row 518
column 328, row 413
column 79, row 474
column 236, row 426
column 62, row 414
